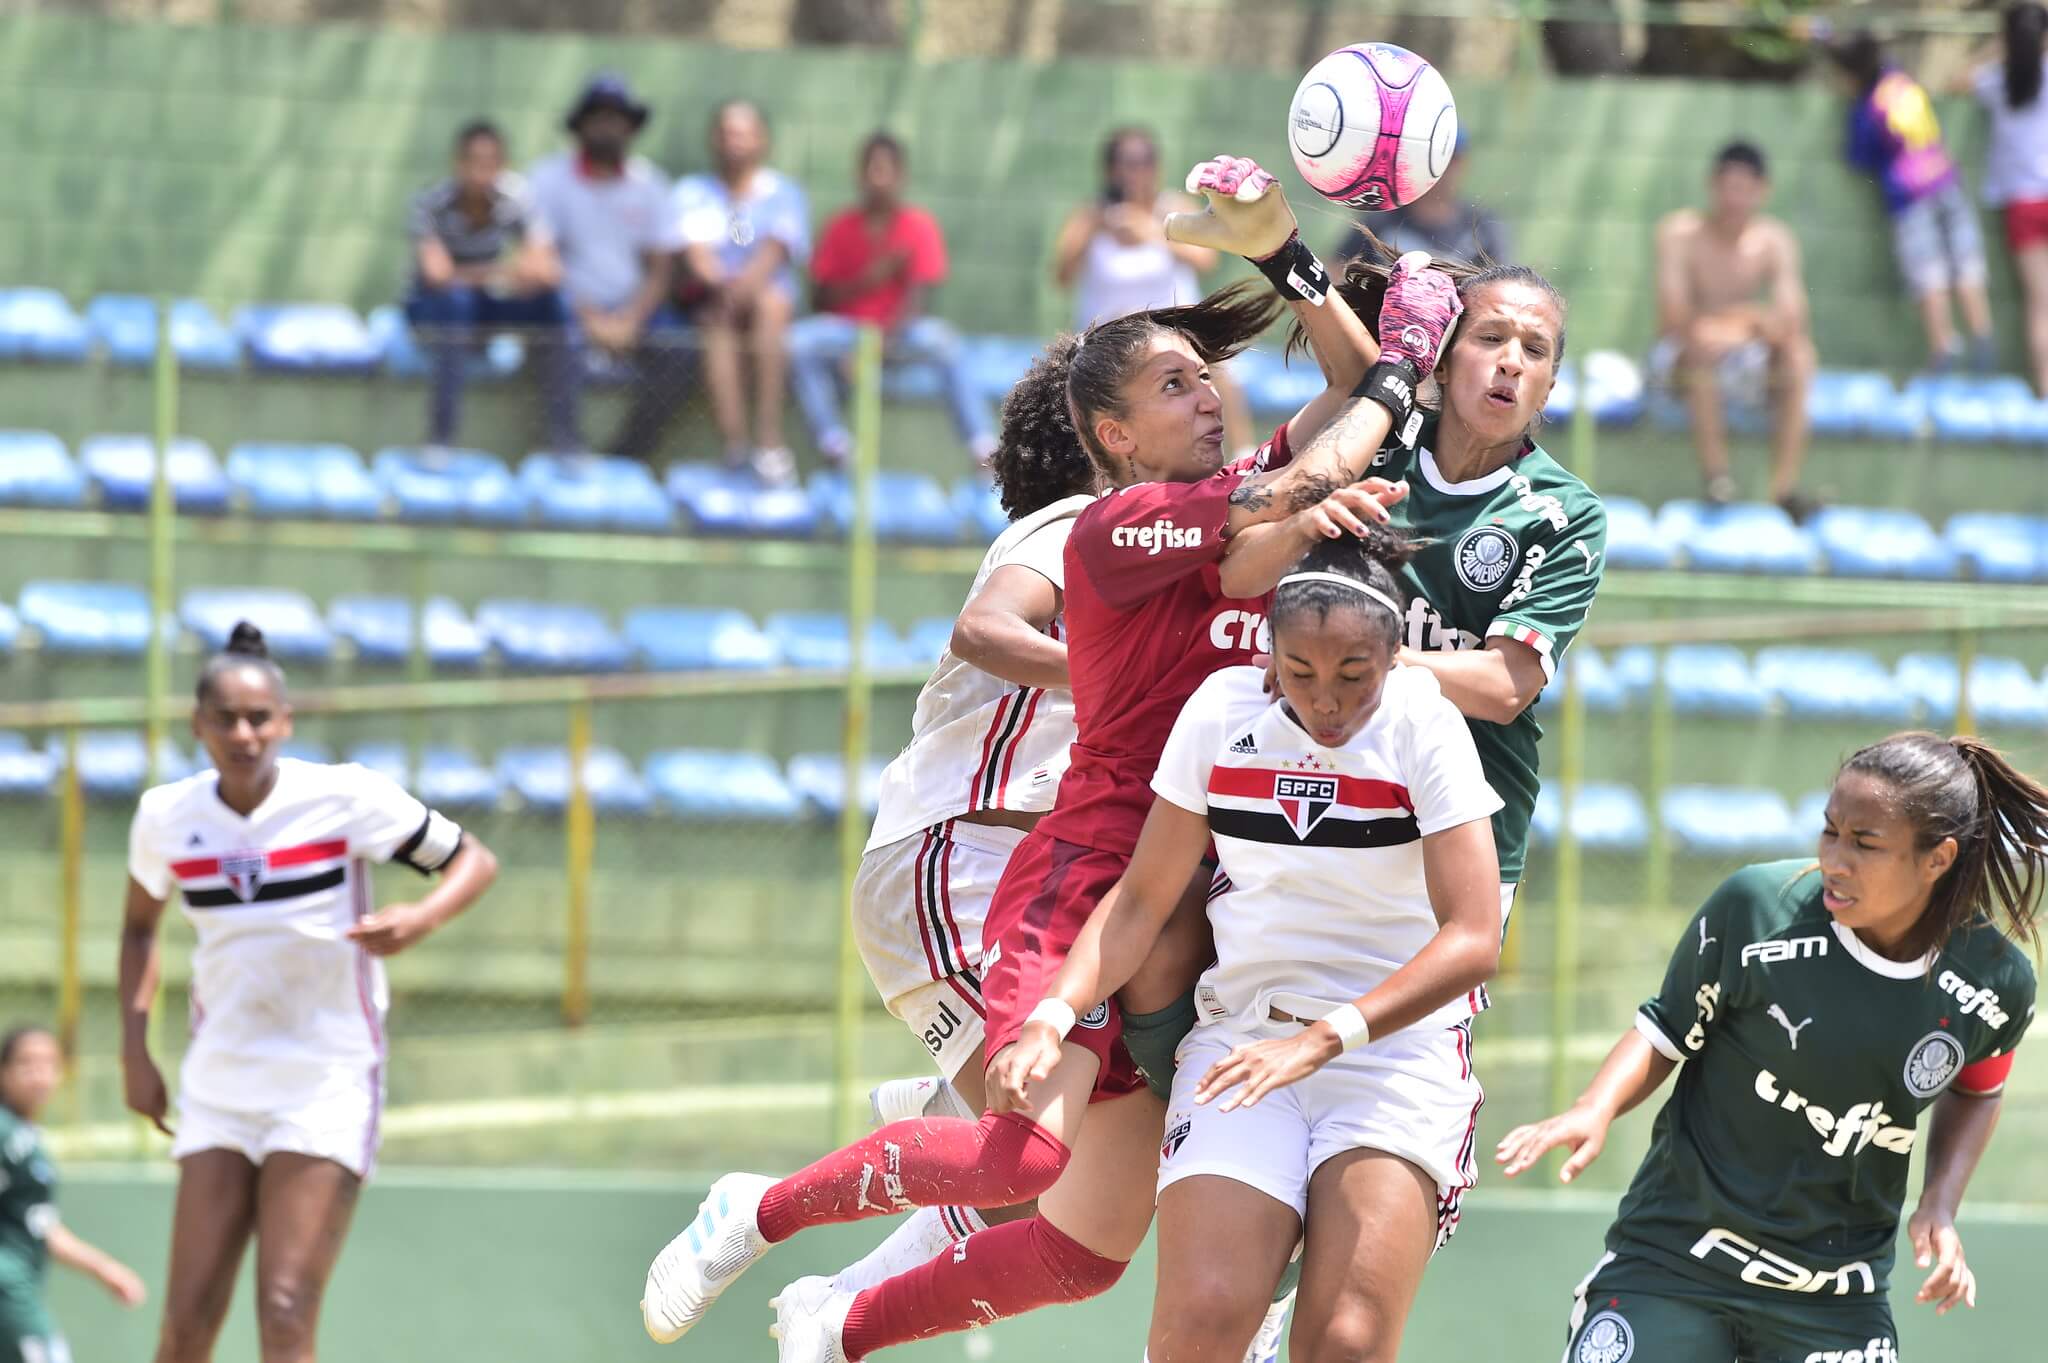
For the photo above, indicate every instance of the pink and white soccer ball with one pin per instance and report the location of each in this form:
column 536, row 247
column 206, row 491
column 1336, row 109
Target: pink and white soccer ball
column 1372, row 126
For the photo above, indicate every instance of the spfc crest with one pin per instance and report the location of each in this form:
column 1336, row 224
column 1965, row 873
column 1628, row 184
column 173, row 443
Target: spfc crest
column 1304, row 800
column 243, row 872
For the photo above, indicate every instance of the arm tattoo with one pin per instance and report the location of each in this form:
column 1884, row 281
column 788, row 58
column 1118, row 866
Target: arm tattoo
column 1252, row 496
column 1307, row 489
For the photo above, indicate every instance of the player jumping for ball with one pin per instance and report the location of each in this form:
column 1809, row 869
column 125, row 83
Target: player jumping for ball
column 1352, row 818
column 1165, row 580
column 1812, row 1011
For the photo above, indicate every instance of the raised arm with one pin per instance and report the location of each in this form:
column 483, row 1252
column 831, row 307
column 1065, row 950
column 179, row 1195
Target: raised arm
column 1001, row 629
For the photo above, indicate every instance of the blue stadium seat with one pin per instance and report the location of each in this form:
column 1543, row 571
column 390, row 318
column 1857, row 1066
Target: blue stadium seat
column 10, row 628
column 1860, row 541
column 540, row 777
column 25, row 772
column 35, row 470
column 552, row 637
column 1847, row 403
column 594, row 492
column 929, row 637
column 700, row 784
column 908, row 507
column 997, row 362
column 980, row 508
column 453, row 485
column 1633, row 540
column 312, row 338
column 1898, row 414
column 386, row 759
column 1742, row 538
column 307, row 750
column 291, row 623
column 497, row 357
column 719, row 501
column 124, row 325
column 1831, row 683
column 1729, row 821
column 1712, row 679
column 913, row 383
column 380, row 627
column 112, row 765
column 1605, row 817
column 87, row 617
column 1277, row 387
column 2022, row 417
column 38, row 324
column 1564, row 398
column 2002, row 690
column 1585, row 669
column 1613, row 384
column 2000, row 548
column 1968, row 407
column 123, row 468
column 821, row 639
column 819, row 780
column 304, row 480
column 452, row 779
column 695, row 638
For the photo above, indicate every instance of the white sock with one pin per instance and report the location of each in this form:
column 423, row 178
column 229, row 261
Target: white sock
column 918, row 1239
column 947, row 1102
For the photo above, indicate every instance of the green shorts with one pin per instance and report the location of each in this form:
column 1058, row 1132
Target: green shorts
column 27, row 1334
column 1630, row 1310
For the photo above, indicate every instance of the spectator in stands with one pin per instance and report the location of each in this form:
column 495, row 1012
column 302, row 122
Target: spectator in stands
column 1895, row 138
column 482, row 261
column 874, row 263
column 745, row 228
column 1113, row 253
column 2016, row 165
column 1441, row 222
column 608, row 213
column 1732, row 323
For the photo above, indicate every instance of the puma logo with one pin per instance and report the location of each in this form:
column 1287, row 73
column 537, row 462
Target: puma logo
column 1777, row 1015
column 1704, row 939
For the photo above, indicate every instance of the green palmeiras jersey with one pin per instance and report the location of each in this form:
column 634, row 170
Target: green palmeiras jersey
column 28, row 1186
column 1519, row 553
column 1780, row 1159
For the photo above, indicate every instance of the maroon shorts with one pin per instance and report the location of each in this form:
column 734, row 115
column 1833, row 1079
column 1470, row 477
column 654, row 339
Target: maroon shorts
column 1047, row 892
column 2026, row 223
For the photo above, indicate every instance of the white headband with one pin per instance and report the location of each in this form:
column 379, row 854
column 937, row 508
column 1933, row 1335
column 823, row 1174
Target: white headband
column 1353, row 583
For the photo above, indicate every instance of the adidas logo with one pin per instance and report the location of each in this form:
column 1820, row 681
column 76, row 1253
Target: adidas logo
column 1244, row 745
column 194, row 840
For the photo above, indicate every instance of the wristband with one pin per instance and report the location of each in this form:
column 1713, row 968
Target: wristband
column 1057, row 1012
column 1349, row 1024
column 1295, row 273
column 1392, row 384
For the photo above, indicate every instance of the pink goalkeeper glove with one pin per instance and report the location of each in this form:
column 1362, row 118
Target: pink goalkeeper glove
column 1418, row 313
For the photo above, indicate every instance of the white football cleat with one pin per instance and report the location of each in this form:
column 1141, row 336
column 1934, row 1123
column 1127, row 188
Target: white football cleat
column 902, row 1100
column 810, row 1322
column 1266, row 1343
column 702, row 1261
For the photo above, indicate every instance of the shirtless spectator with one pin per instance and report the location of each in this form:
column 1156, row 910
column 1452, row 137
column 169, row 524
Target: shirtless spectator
column 1732, row 322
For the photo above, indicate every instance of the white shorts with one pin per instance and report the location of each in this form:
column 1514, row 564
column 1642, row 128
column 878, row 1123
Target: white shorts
column 918, row 908
column 1411, row 1095
column 339, row 1124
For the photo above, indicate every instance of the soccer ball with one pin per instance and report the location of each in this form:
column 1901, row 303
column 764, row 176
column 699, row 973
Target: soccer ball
column 1372, row 126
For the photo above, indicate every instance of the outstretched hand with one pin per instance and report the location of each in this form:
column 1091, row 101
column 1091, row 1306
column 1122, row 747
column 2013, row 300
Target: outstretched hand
column 1246, row 213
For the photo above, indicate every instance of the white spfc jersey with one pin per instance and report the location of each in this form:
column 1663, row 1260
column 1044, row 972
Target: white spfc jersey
column 978, row 742
column 283, row 1004
column 1323, row 846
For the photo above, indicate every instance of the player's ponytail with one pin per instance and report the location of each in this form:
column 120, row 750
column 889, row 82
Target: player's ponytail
column 246, row 647
column 1316, row 585
column 1962, row 788
column 1106, row 355
column 2026, row 31
column 1037, row 460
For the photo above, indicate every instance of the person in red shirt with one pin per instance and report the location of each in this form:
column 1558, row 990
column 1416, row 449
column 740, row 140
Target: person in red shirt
column 874, row 263
column 1167, row 579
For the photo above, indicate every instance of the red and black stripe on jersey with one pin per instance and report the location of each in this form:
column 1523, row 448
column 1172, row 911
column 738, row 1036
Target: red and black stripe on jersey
column 248, row 875
column 1309, row 808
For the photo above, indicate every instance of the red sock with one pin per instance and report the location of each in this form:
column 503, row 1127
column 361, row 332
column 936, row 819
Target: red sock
column 925, row 1162
column 1002, row 1271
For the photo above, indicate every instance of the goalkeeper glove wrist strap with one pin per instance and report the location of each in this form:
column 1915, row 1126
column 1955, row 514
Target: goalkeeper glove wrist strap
column 1295, row 273
column 1392, row 384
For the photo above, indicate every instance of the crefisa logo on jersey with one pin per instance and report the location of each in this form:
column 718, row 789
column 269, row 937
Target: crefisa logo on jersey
column 1304, row 800
column 1933, row 1063
column 243, row 872
column 1606, row 1339
column 1484, row 555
